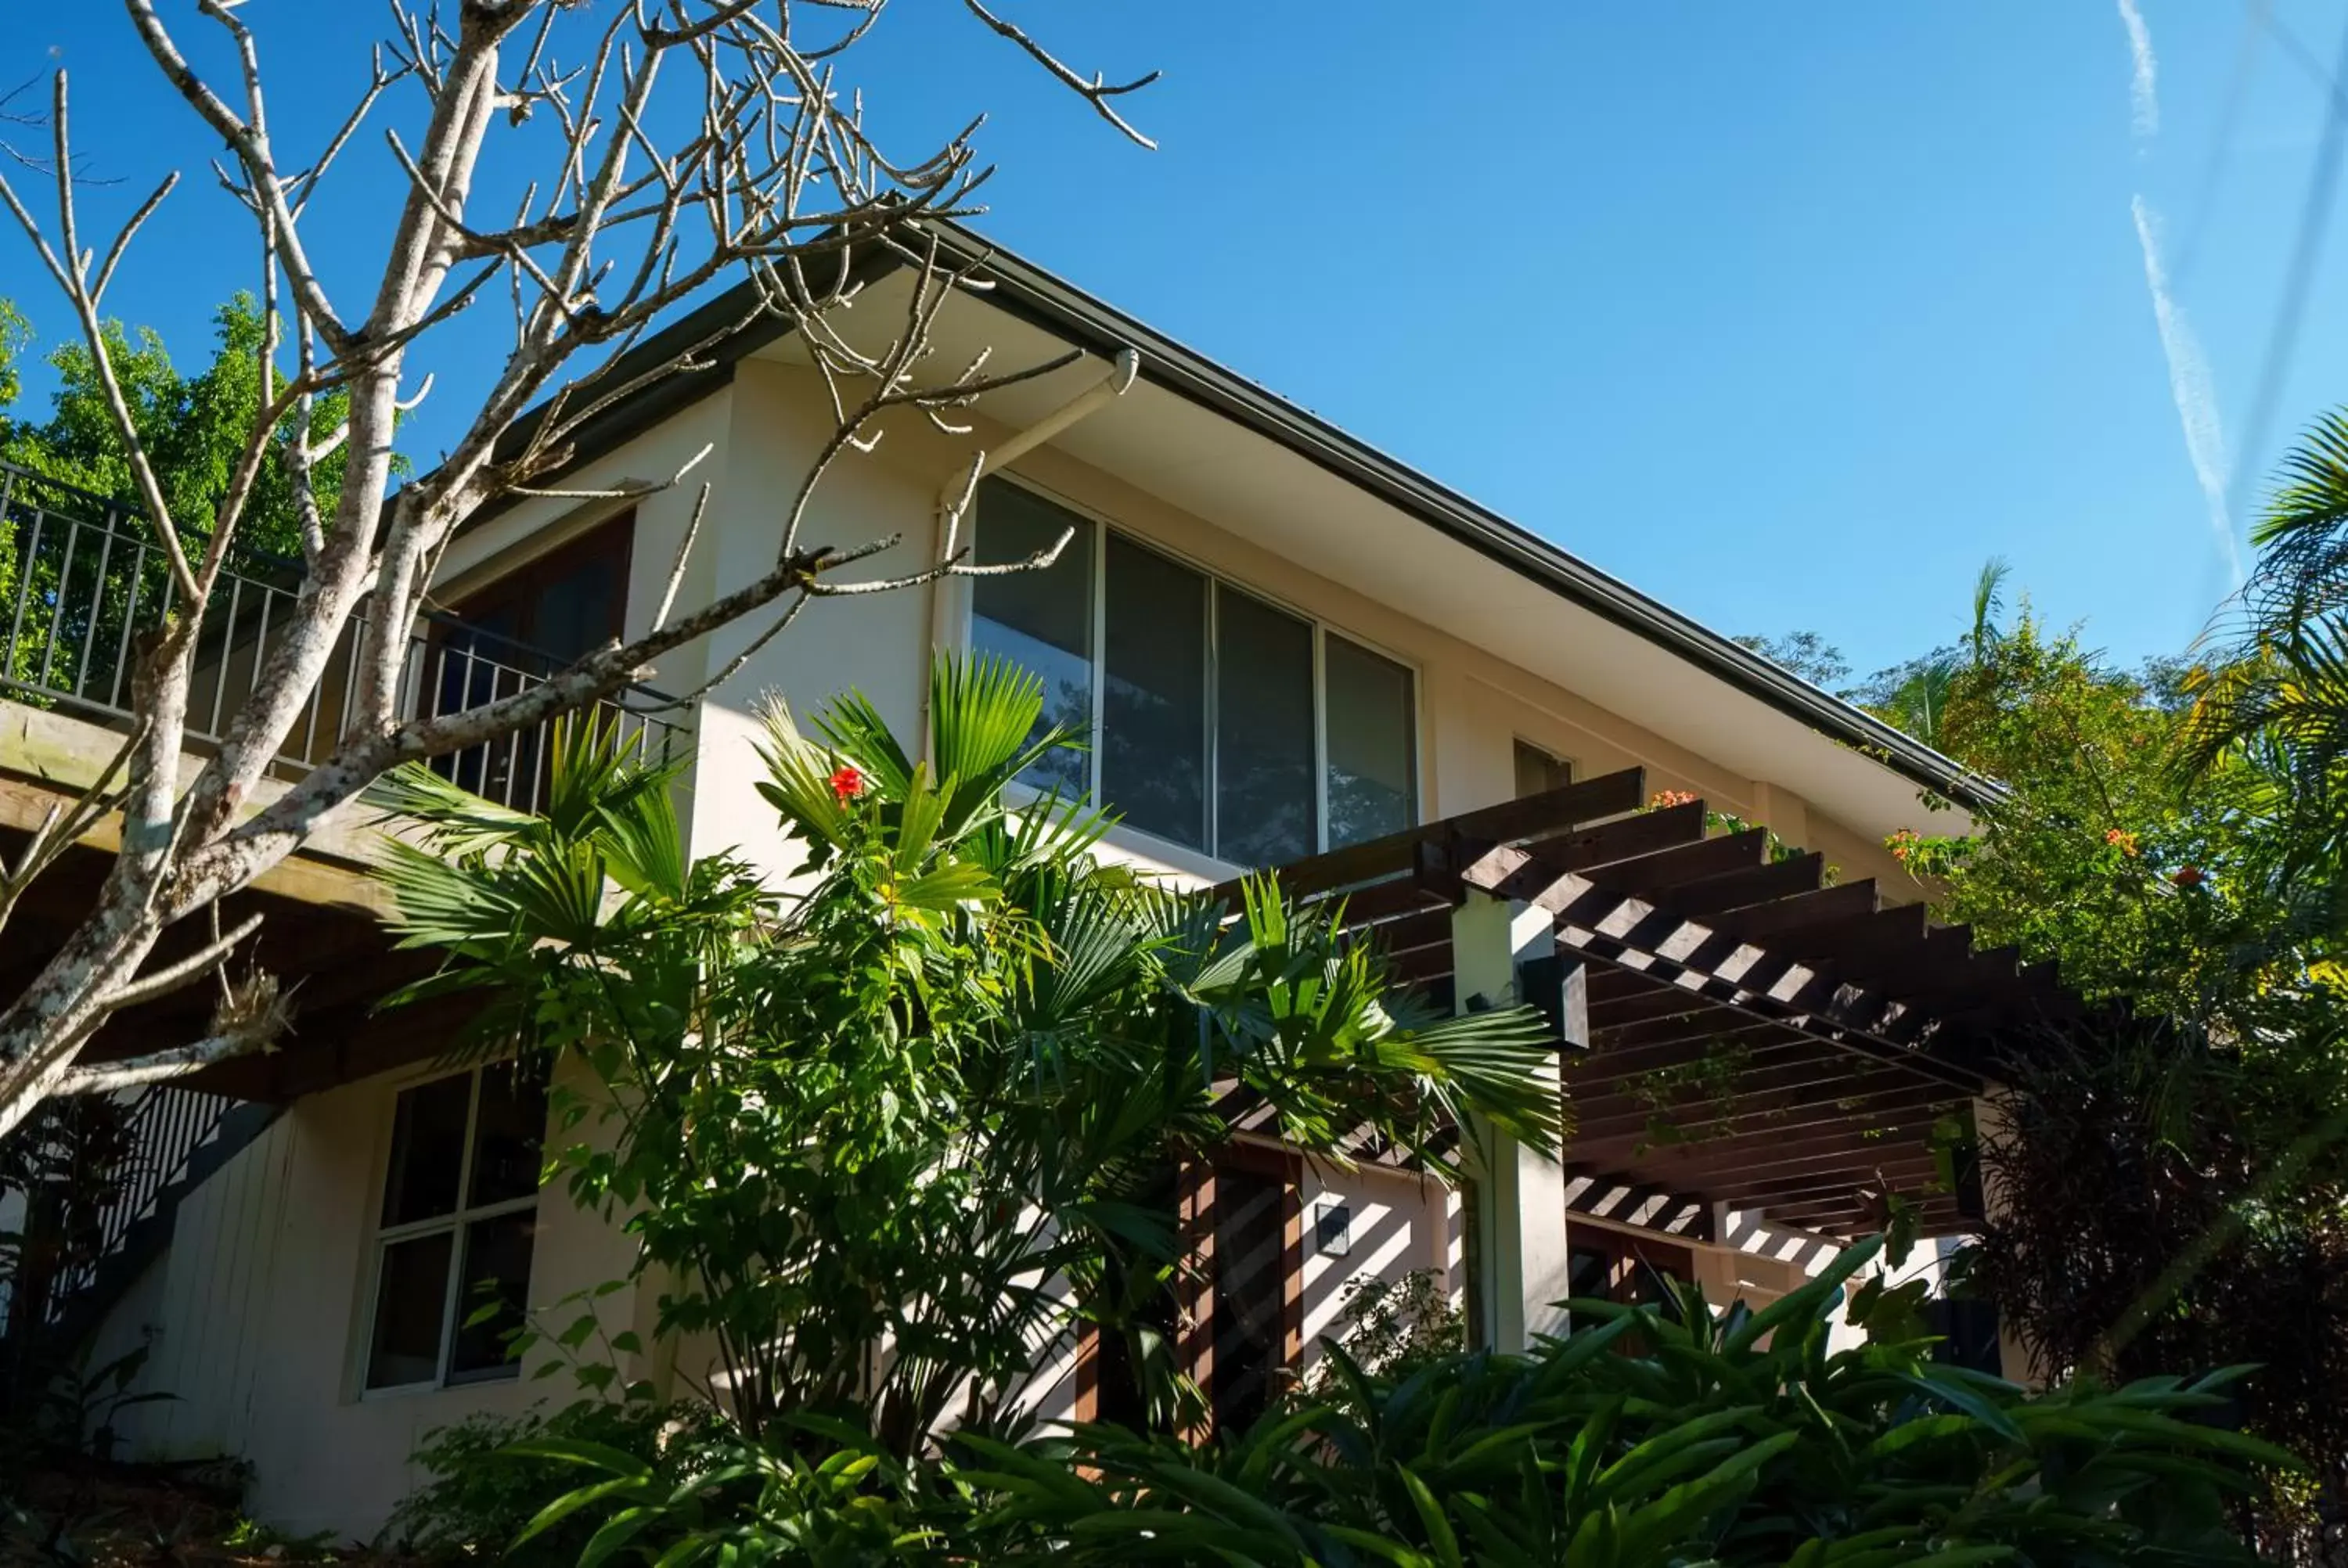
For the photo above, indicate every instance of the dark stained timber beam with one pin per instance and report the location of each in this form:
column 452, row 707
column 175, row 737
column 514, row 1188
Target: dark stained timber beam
column 1908, row 1178
column 1668, row 870
column 1550, row 874
column 1780, row 879
column 1607, row 1098
column 1710, row 1167
column 1534, row 817
column 1750, row 1115
column 1668, row 1033
column 1430, row 930
column 1836, row 1029
column 1769, row 925
column 1663, row 1001
column 1385, row 900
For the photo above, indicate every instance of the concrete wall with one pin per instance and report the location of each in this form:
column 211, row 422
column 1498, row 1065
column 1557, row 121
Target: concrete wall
column 765, row 429
column 258, row 1319
column 1399, row 1224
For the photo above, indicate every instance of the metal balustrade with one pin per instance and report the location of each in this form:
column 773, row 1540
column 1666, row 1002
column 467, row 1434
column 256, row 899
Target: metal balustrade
column 81, row 578
column 166, row 1127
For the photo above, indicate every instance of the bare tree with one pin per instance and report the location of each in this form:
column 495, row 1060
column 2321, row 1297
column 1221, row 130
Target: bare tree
column 676, row 143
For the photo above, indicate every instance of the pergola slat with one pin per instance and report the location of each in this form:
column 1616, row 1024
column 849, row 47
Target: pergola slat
column 1857, row 1025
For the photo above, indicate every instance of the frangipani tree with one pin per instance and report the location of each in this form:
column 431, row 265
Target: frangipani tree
column 588, row 166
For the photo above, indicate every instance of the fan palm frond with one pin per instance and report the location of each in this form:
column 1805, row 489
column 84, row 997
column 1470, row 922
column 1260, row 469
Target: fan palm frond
column 1989, row 598
column 2302, row 534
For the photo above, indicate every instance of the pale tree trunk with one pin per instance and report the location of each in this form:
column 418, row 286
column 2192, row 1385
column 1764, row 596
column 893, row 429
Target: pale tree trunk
column 679, row 144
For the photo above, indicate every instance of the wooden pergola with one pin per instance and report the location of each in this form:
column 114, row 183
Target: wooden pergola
column 1738, row 1028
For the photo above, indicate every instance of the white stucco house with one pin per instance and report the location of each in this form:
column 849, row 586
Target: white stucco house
column 1288, row 648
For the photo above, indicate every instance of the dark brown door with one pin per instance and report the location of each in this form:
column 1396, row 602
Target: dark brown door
column 1610, row 1265
column 1244, row 1220
column 517, row 630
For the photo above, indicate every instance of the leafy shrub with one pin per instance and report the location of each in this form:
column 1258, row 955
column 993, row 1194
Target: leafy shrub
column 1729, row 1440
column 487, row 1487
column 1391, row 1328
column 997, row 1041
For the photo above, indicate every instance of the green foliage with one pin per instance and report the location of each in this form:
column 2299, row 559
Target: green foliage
column 193, row 427
column 485, row 1487
column 251, row 1538
column 926, row 1098
column 85, row 599
column 1803, row 653
column 1394, row 1326
column 2173, row 1180
column 2142, row 878
column 1725, row 1440
column 2152, row 1224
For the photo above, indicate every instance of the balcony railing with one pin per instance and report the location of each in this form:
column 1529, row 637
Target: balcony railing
column 81, row 578
column 163, row 1128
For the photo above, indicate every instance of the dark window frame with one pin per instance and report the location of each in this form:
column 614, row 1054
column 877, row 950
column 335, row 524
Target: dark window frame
column 469, row 666
column 1555, row 768
column 613, row 538
column 1100, row 531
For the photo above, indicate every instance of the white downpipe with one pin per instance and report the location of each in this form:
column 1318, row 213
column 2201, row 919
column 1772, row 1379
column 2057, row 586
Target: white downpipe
column 946, row 594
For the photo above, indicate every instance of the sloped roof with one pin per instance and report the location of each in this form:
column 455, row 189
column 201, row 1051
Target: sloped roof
column 1032, row 295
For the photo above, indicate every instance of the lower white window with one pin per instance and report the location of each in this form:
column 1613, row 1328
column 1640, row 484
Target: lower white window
column 454, row 1232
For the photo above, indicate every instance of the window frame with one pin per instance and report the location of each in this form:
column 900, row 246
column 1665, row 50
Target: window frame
column 613, row 537
column 457, row 1221
column 1206, row 861
column 1555, row 759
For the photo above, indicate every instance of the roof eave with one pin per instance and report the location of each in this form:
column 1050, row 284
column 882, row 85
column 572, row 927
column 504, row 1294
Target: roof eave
column 1027, row 292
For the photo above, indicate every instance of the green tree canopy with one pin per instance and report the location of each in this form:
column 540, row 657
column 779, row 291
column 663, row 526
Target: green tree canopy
column 193, row 424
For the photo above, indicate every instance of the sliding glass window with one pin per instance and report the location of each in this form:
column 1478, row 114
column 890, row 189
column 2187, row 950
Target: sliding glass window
column 1041, row 619
column 1215, row 720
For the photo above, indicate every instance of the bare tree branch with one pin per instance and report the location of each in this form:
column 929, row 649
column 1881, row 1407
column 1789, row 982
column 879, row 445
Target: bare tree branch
column 673, row 147
column 158, row 1067
column 1097, row 92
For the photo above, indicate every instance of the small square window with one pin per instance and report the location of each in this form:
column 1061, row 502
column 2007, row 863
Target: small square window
column 1540, row 772
column 452, row 1278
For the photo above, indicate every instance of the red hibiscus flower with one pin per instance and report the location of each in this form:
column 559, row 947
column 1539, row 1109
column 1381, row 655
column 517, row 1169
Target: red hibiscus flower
column 2188, row 876
column 847, row 783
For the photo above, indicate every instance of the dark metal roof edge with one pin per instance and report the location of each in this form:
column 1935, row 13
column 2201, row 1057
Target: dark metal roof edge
column 1060, row 306
column 1029, row 293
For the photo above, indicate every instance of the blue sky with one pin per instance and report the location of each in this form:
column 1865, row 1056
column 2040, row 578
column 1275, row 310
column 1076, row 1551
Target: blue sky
column 1789, row 315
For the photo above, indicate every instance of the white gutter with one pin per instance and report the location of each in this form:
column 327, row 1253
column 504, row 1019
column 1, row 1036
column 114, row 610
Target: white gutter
column 947, row 594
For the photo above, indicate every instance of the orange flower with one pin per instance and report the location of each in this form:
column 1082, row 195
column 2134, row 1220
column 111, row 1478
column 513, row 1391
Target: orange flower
column 2122, row 840
column 1670, row 797
column 1902, row 844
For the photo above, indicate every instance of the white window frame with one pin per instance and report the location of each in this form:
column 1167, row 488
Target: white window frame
column 1185, row 857
column 457, row 1221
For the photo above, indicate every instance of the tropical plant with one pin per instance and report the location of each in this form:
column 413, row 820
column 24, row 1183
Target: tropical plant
column 895, row 1130
column 1722, row 1439
column 482, row 1488
column 2171, row 1173
column 2274, row 687
column 2151, row 1219
column 1391, row 1328
column 194, row 425
column 1803, row 653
